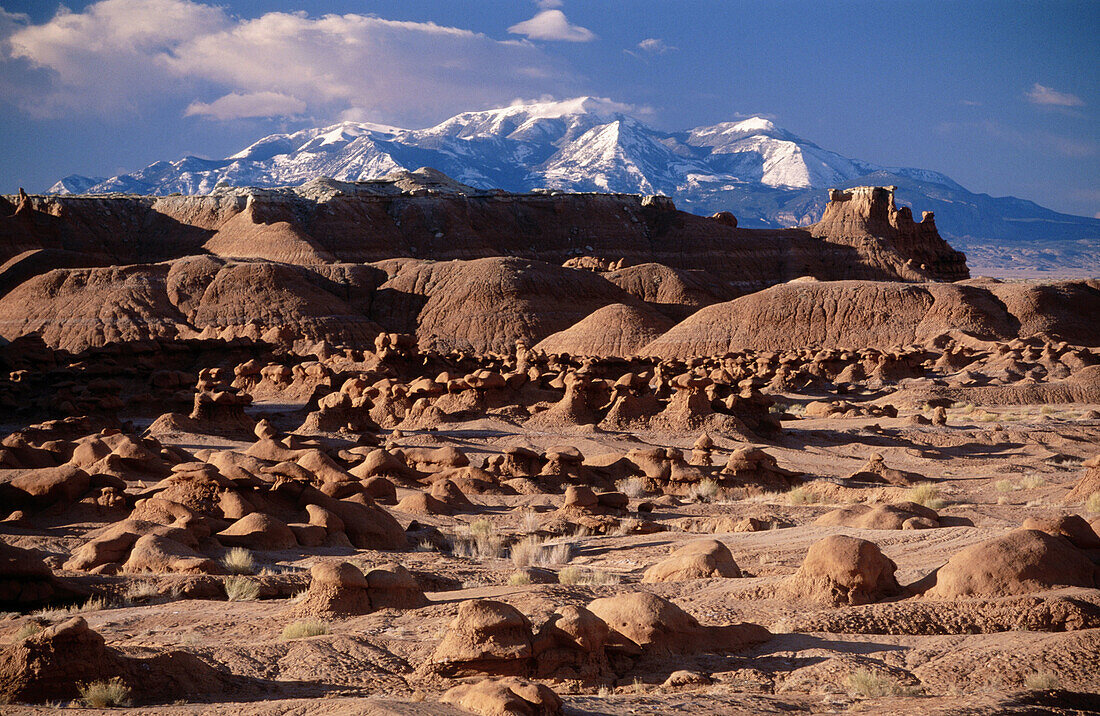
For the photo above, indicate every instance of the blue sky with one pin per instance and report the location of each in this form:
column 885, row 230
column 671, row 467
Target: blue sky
column 1002, row 96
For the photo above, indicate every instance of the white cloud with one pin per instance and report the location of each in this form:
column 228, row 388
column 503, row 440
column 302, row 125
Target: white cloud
column 549, row 4
column 656, row 46
column 253, row 104
column 121, row 56
column 1039, row 94
column 552, row 25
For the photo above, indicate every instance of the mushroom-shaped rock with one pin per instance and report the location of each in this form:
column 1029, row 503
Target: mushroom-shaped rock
column 581, row 497
column 647, row 623
column 752, row 466
column 335, row 589
column 367, row 526
column 51, row 663
column 380, row 490
column 391, row 586
column 841, row 570
column 110, row 546
column 258, row 531
column 876, row 471
column 422, row 503
column 159, row 554
column 447, row 492
column 571, row 645
column 506, row 696
column 487, row 637
column 701, row 559
column 1019, row 562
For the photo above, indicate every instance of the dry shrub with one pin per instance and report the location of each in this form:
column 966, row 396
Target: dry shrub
column 239, row 561
column 28, row 629
column 802, row 496
column 926, row 494
column 479, row 541
column 534, row 551
column 1042, row 681
column 105, row 694
column 868, row 684
column 241, row 589
column 632, row 487
column 304, row 629
column 704, row 491
column 586, row 577
column 1033, row 482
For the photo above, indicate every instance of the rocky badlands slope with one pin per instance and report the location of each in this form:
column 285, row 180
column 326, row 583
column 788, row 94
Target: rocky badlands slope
column 404, row 447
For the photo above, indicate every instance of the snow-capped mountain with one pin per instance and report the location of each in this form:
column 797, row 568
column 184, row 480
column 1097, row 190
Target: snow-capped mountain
column 764, row 174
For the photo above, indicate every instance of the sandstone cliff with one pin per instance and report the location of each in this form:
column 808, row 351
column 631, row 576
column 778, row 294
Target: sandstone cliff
column 426, row 217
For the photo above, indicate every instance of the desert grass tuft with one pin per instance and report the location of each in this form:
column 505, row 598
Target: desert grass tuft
column 802, row 496
column 586, row 577
column 1042, row 681
column 1033, row 482
column 304, row 629
column 518, row 579
column 870, row 685
column 239, row 561
column 1092, row 504
column 632, row 487
column 530, row 522
column 532, row 551
column 479, row 541
column 94, row 604
column 141, row 591
column 105, row 694
column 705, row 490
column 28, row 629
column 926, row 494
column 241, row 589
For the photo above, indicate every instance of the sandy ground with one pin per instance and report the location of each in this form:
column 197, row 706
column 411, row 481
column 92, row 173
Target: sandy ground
column 990, row 481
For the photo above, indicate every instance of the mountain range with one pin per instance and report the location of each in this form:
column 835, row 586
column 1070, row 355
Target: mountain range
column 765, row 175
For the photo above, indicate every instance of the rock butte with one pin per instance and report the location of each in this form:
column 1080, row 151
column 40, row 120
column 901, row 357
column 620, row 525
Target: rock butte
column 404, row 446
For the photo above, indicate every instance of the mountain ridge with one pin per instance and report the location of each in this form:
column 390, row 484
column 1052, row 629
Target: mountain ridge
column 764, row 174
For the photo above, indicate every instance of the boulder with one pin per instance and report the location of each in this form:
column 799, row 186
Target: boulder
column 340, row 589
column 486, row 637
column 643, row 622
column 506, row 696
column 260, row 532
column 701, row 559
column 842, row 570
column 1020, row 562
column 902, row 515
